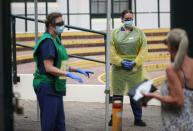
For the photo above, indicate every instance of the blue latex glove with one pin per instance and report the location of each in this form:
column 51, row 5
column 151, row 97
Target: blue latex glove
column 128, row 65
column 75, row 77
column 84, row 72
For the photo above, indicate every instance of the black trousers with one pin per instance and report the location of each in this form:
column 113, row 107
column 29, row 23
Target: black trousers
column 136, row 108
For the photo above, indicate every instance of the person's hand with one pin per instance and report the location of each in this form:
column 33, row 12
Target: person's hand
column 128, row 65
column 84, row 72
column 74, row 77
column 149, row 95
column 145, row 101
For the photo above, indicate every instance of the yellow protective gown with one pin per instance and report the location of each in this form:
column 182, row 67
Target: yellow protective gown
column 132, row 46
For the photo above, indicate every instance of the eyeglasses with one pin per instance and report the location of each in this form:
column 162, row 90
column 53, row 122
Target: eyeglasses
column 60, row 23
column 127, row 19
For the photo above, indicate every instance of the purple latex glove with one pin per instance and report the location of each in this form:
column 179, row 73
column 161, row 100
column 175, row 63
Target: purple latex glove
column 84, row 72
column 74, row 77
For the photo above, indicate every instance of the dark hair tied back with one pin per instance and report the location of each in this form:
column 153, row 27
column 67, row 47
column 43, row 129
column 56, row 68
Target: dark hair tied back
column 50, row 19
column 125, row 12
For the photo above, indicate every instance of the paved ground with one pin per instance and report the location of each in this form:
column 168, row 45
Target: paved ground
column 87, row 117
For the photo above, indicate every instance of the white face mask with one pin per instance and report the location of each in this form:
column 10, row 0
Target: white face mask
column 128, row 23
column 59, row 29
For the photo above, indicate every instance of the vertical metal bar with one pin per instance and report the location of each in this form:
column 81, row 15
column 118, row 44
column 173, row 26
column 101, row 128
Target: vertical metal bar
column 25, row 4
column 97, row 6
column 158, row 13
column 119, row 3
column 6, row 107
column 112, row 13
column 68, row 13
column 107, row 65
column 36, row 19
column 15, row 80
column 46, row 2
column 36, row 39
column 130, row 4
column 135, row 12
column 90, row 13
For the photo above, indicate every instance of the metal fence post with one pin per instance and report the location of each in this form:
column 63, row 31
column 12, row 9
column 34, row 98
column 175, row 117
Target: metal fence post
column 68, row 13
column 25, row 4
column 158, row 13
column 135, row 12
column 112, row 13
column 14, row 60
column 36, row 39
column 90, row 11
column 107, row 65
column 46, row 2
column 6, row 94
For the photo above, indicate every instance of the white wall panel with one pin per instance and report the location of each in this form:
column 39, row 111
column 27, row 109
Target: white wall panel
column 79, row 6
column 165, row 5
column 80, row 21
column 99, row 24
column 82, row 6
column 145, row 21
column 165, row 20
column 146, row 5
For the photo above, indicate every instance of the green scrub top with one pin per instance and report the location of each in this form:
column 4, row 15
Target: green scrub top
column 62, row 57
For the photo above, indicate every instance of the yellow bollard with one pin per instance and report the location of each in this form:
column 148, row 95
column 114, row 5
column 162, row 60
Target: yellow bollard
column 117, row 115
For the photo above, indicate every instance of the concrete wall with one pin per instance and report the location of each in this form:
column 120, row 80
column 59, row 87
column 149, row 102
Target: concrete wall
column 79, row 6
column 82, row 6
column 150, row 20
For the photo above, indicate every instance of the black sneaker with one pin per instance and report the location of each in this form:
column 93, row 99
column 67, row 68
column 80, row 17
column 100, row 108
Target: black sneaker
column 110, row 122
column 139, row 123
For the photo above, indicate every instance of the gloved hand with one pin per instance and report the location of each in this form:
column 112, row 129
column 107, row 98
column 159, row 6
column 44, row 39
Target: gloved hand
column 128, row 65
column 75, row 77
column 84, row 72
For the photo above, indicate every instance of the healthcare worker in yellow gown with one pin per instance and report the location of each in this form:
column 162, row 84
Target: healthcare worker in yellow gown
column 128, row 51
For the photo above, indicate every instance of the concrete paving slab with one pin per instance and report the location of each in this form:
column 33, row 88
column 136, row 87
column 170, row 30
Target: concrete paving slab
column 81, row 116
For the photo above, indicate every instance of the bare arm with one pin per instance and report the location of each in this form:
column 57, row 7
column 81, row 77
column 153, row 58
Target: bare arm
column 72, row 69
column 175, row 96
column 175, row 87
column 48, row 63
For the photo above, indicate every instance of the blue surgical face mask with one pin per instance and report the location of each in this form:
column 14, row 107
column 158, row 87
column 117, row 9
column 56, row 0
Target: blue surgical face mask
column 128, row 23
column 59, row 29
